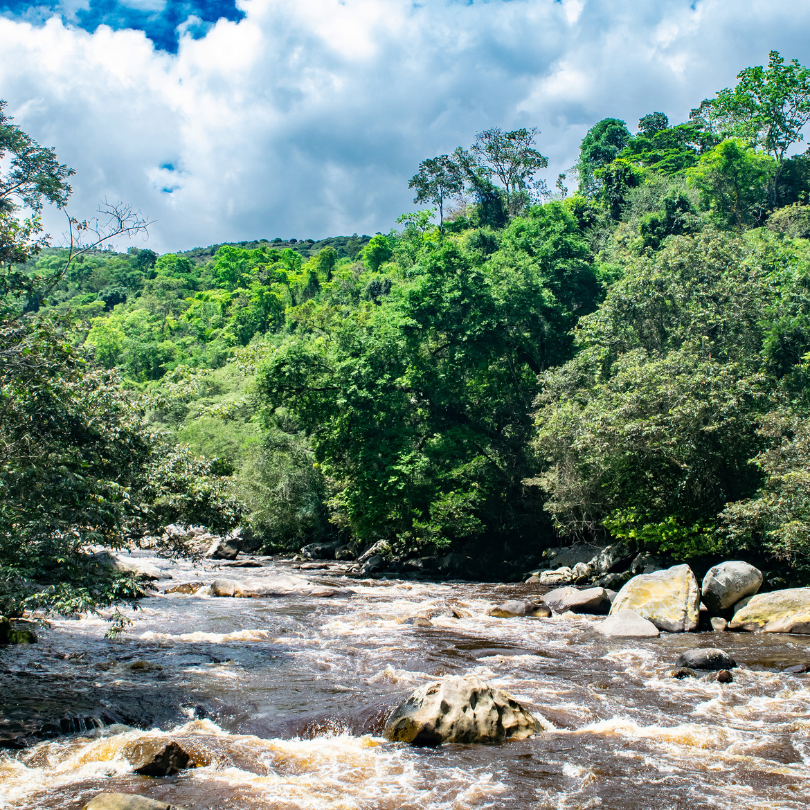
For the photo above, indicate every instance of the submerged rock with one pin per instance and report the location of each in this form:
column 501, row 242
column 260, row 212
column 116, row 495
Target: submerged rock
column 126, row 801
column 728, row 583
column 418, row 621
column 679, row 673
column 185, row 588
column 157, row 757
column 786, row 611
column 459, row 710
column 513, row 608
column 706, row 658
column 589, row 600
column 669, row 598
column 627, row 624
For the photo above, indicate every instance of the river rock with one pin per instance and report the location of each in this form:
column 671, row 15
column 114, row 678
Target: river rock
column 669, row 599
column 679, row 673
column 157, row 757
column 222, row 549
column 727, row 583
column 320, row 551
column 719, row 624
column 517, row 607
column 561, row 576
column 126, row 801
column 786, row 611
column 381, row 547
column 612, row 558
column 724, row 676
column 569, row 556
column 706, row 658
column 141, row 569
column 589, row 600
column 627, row 624
column 582, row 572
column 185, row 588
column 418, row 621
column 646, row 563
column 459, row 710
column 272, row 587
column 373, row 564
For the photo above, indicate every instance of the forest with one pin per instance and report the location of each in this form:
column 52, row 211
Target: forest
column 512, row 367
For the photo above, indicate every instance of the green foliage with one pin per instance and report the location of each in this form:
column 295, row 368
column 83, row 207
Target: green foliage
column 732, row 180
column 600, row 147
column 377, row 252
column 667, row 536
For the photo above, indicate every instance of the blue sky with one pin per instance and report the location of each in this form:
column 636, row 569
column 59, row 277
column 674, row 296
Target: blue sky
column 305, row 118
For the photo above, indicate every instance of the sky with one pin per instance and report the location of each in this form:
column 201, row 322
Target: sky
column 229, row 121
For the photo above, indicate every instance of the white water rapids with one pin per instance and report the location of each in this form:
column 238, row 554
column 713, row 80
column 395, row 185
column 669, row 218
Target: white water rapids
column 284, row 700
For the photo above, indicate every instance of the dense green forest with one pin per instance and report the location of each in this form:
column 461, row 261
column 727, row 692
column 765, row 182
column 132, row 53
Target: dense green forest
column 511, row 368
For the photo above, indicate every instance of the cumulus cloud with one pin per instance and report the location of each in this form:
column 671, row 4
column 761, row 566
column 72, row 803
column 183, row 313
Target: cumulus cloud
column 308, row 119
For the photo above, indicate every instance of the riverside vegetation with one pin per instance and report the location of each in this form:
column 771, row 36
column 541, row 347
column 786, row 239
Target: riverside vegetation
column 625, row 363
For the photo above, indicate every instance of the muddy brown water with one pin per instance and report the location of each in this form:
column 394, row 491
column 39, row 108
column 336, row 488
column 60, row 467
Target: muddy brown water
column 285, row 698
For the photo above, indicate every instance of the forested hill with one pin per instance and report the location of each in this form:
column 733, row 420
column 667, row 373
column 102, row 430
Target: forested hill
column 508, row 369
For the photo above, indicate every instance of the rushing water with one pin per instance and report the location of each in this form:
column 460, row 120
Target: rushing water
column 283, row 701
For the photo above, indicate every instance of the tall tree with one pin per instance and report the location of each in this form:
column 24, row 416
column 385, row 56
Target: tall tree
column 600, row 147
column 438, row 180
column 513, row 159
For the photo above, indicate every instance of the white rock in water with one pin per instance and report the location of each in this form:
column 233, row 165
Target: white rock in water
column 562, row 576
column 786, row 611
column 628, row 624
column 129, row 565
column 271, row 587
column 459, row 710
column 669, row 599
column 728, row 583
column 588, row 600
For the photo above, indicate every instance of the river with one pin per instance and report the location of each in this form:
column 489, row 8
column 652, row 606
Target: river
column 285, row 699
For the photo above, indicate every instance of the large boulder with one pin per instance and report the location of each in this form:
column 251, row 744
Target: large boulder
column 569, row 556
column 627, row 624
column 157, row 757
column 223, row 548
column 126, row 801
column 459, row 710
column 728, row 583
column 271, row 587
column 785, row 611
column 381, row 548
column 560, row 576
column 670, row 599
column 140, row 569
column 320, row 551
column 588, row 600
column 706, row 658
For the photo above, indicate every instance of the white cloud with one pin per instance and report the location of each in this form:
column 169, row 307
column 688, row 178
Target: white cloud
column 307, row 119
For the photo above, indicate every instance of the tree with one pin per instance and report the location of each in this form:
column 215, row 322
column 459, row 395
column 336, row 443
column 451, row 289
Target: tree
column 437, row 180
column 33, row 172
column 325, row 262
column 377, row 252
column 768, row 108
column 513, row 159
column 654, row 122
column 733, row 182
column 600, row 147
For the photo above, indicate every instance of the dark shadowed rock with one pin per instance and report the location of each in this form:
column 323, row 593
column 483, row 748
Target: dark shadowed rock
column 797, row 669
column 706, row 658
column 157, row 757
column 725, row 584
column 588, row 600
column 724, row 676
column 628, row 624
column 679, row 673
column 222, row 549
column 320, row 551
column 126, row 801
column 459, row 710
column 569, row 556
